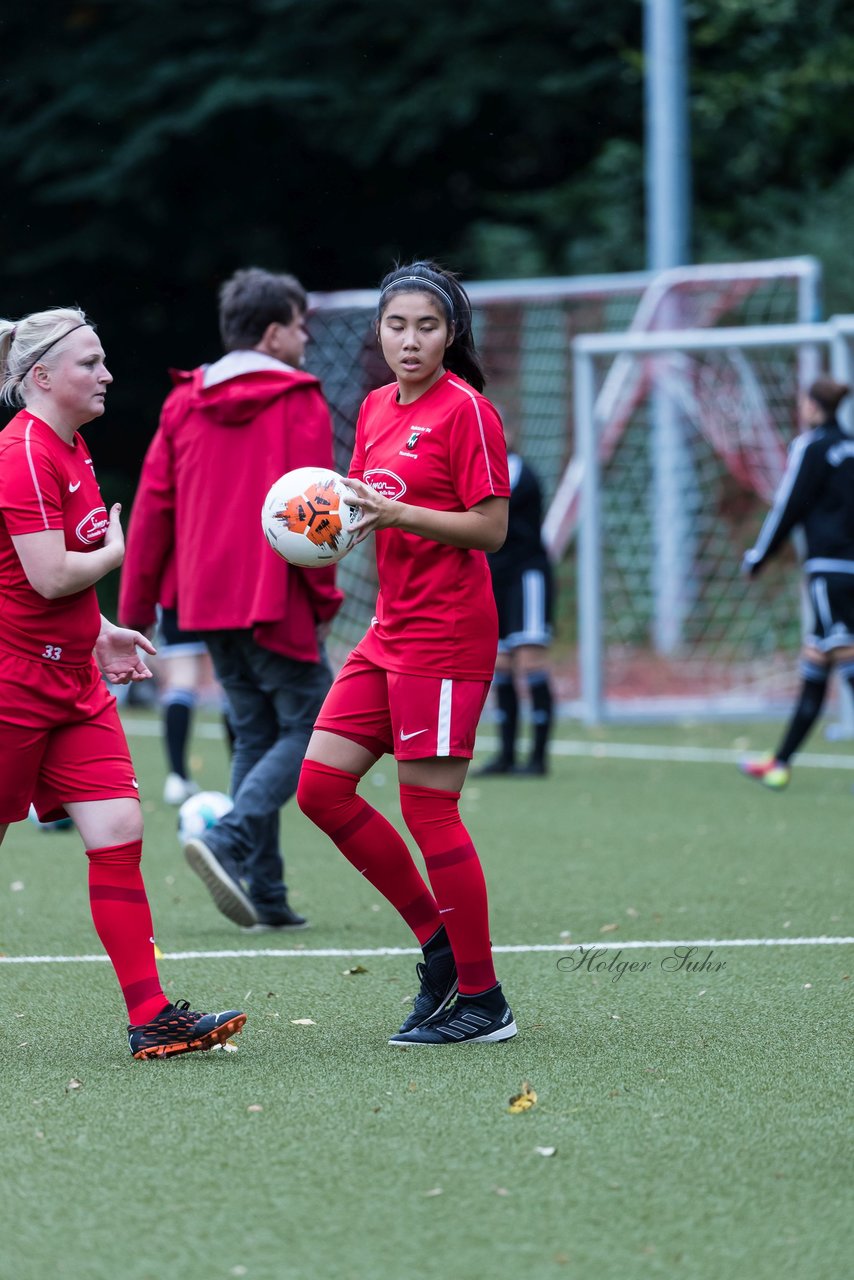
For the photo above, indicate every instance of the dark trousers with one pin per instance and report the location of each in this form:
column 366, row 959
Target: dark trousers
column 273, row 702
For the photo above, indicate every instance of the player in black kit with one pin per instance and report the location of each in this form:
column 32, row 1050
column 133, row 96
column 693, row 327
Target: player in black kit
column 522, row 584
column 817, row 494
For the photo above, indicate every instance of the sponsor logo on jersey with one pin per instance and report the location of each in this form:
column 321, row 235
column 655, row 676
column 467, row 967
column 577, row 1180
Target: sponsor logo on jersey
column 386, row 482
column 93, row 526
column 72, row 488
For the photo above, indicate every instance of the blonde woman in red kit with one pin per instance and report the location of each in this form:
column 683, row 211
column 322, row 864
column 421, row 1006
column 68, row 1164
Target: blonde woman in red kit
column 62, row 746
column 430, row 470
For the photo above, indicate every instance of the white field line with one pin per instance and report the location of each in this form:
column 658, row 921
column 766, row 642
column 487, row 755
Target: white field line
column 572, row 747
column 677, row 755
column 340, row 953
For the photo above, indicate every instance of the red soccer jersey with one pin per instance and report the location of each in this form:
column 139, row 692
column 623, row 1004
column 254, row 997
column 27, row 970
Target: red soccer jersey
column 435, row 610
column 47, row 484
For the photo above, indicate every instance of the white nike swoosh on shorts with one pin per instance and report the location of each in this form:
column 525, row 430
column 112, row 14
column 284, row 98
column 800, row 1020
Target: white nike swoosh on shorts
column 405, row 736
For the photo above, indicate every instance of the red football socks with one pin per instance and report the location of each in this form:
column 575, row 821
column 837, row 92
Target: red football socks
column 456, row 878
column 367, row 840
column 122, row 919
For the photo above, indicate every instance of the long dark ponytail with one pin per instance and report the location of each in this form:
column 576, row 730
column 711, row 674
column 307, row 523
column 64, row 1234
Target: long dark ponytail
column 461, row 356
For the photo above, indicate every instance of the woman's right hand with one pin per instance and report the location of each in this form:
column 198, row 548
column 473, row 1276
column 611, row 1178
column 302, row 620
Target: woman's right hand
column 114, row 538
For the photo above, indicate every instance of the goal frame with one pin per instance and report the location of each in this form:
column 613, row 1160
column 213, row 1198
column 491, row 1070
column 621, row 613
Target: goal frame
column 833, row 337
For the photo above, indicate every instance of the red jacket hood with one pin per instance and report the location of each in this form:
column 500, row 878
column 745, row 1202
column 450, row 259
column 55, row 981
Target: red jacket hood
column 238, row 400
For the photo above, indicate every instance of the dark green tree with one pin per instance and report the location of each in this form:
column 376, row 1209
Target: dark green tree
column 151, row 146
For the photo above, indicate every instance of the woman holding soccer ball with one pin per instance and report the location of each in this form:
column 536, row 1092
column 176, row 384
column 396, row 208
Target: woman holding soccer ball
column 430, row 471
column 62, row 745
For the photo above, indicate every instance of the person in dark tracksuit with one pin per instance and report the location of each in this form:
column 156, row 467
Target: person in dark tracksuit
column 523, row 589
column 816, row 494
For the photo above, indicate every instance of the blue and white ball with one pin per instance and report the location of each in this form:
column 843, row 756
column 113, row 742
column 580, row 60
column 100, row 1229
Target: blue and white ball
column 61, row 824
column 201, row 812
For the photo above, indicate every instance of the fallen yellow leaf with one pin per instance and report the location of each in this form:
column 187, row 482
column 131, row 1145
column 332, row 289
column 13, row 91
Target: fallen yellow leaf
column 522, row 1101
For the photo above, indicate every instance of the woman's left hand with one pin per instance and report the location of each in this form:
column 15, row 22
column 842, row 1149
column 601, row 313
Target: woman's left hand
column 378, row 512
column 117, row 656
column 482, row 527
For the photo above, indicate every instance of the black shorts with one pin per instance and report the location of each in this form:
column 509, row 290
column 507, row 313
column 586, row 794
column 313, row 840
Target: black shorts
column 524, row 601
column 172, row 642
column 832, row 600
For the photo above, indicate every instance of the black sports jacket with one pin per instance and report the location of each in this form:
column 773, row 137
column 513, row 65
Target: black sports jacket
column 816, row 492
column 523, row 548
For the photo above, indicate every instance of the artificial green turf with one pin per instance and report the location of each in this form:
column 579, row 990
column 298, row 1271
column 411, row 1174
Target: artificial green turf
column 698, row 1120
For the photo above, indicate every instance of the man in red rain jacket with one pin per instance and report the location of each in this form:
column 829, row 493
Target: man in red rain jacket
column 227, row 431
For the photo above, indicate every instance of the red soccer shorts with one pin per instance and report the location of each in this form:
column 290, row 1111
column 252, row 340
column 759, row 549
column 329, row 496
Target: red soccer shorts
column 409, row 717
column 61, row 739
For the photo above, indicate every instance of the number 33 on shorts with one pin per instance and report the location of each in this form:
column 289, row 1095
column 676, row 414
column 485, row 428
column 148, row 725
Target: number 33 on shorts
column 52, row 651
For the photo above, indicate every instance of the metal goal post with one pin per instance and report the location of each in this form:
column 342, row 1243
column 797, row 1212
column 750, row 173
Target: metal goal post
column 674, row 482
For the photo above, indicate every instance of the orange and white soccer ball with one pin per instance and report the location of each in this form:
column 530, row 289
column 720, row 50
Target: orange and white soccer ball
column 308, row 516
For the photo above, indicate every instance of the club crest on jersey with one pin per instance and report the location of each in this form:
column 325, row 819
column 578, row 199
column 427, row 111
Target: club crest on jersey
column 386, row 482
column 414, row 436
column 93, row 526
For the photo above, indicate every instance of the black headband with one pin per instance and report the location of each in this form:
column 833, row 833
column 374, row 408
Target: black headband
column 83, row 325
